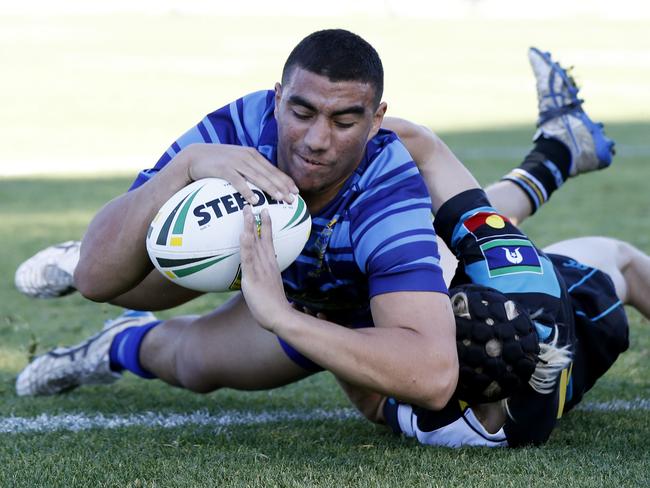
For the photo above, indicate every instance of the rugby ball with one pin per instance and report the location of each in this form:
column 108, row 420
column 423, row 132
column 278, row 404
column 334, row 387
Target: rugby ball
column 194, row 239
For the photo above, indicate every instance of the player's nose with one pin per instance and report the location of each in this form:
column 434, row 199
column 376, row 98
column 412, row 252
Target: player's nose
column 318, row 136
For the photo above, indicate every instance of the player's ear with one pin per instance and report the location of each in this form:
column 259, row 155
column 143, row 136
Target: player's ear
column 377, row 119
column 278, row 97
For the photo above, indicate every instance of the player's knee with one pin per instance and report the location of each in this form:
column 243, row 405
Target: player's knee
column 191, row 371
column 626, row 254
column 194, row 367
column 197, row 385
column 633, row 265
column 193, row 377
column 85, row 284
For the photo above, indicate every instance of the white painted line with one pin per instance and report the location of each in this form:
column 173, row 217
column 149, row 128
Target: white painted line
column 76, row 422
column 81, row 421
column 638, row 404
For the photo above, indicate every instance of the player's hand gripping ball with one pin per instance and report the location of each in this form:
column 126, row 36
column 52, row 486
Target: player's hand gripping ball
column 194, row 238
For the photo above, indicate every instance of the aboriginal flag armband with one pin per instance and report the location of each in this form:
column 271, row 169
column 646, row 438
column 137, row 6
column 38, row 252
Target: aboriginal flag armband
column 492, row 251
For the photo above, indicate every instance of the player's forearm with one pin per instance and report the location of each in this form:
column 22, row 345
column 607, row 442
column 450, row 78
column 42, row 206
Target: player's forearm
column 113, row 254
column 395, row 361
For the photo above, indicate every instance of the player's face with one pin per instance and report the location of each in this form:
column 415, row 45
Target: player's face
column 323, row 128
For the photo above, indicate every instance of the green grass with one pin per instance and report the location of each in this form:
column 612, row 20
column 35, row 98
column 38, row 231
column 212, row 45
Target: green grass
column 108, row 86
column 587, row 449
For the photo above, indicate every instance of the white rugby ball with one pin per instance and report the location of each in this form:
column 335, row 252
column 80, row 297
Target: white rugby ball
column 194, row 238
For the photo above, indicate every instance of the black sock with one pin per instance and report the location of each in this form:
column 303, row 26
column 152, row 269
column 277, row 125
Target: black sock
column 557, row 152
column 543, row 171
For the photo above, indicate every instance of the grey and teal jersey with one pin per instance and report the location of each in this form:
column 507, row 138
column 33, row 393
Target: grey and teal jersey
column 576, row 301
column 493, row 252
column 376, row 235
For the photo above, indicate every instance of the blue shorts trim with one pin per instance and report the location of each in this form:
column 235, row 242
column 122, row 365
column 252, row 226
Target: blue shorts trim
column 299, row 359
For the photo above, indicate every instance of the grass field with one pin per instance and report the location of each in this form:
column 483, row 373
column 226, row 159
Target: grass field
column 326, row 445
column 80, row 98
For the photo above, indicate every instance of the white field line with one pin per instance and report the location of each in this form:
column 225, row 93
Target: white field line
column 82, row 421
column 76, row 422
column 638, row 404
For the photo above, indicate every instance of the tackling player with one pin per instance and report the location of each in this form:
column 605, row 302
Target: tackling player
column 530, row 351
column 555, row 325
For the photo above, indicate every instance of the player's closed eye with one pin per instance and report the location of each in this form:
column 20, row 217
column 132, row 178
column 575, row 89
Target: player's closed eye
column 343, row 125
column 301, row 115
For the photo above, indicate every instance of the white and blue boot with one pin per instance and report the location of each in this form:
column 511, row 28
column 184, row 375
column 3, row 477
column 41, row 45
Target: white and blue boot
column 66, row 368
column 561, row 116
column 49, row 273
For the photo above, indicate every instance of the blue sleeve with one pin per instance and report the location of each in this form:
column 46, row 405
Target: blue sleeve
column 239, row 123
column 392, row 231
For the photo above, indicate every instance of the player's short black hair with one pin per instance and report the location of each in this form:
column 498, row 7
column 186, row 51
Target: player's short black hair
column 339, row 55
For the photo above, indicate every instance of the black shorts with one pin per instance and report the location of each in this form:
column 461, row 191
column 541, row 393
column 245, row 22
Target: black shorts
column 601, row 326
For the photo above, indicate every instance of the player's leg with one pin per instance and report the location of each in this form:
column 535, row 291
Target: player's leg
column 627, row 266
column 50, row 274
column 225, row 348
column 155, row 292
column 369, row 403
column 567, row 143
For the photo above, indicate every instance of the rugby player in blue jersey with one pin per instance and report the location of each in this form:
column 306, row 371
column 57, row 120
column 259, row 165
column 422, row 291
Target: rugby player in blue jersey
column 371, row 263
column 371, row 259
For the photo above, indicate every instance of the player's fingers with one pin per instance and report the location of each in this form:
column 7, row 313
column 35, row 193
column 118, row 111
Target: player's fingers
column 247, row 237
column 239, row 183
column 265, row 229
column 262, row 173
column 277, row 177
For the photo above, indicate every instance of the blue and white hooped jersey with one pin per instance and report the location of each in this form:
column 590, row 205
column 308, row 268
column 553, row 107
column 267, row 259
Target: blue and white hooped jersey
column 376, row 236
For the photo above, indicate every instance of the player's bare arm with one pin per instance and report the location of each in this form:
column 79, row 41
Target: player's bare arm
column 117, row 233
column 413, row 333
